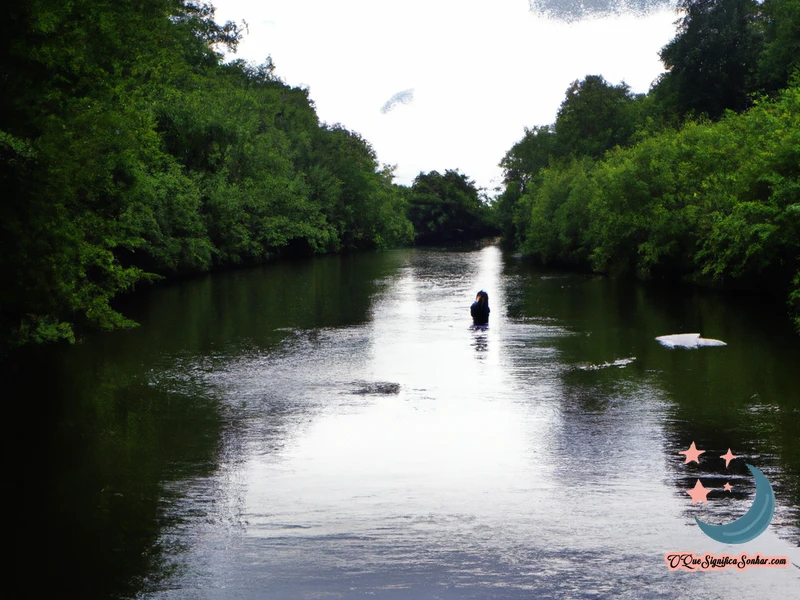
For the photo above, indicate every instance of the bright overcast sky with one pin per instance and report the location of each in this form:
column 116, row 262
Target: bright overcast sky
column 480, row 70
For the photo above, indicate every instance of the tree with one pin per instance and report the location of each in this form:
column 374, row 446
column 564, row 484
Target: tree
column 448, row 208
column 781, row 55
column 521, row 166
column 713, row 59
column 128, row 151
column 594, row 117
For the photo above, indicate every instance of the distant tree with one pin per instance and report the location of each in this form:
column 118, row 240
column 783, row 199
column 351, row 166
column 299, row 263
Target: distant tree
column 713, row 59
column 521, row 167
column 355, row 187
column 529, row 155
column 594, row 117
column 781, row 55
column 447, row 208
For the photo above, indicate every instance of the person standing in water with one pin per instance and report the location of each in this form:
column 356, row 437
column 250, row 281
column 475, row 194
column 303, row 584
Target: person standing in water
column 480, row 309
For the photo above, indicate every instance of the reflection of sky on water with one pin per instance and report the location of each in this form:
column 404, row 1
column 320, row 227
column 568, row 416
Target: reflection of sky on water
column 516, row 475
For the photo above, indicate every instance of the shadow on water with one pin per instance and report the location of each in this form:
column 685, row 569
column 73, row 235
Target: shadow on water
column 258, row 305
column 98, row 454
column 89, row 448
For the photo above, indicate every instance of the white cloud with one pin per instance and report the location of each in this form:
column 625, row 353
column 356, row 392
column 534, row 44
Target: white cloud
column 481, row 71
column 404, row 97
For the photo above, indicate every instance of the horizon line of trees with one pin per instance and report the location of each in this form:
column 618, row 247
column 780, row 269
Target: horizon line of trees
column 699, row 179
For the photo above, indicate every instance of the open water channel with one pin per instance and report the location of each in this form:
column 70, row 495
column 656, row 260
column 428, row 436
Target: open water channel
column 334, row 428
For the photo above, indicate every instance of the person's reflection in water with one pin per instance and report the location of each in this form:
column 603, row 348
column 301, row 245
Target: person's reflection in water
column 481, row 342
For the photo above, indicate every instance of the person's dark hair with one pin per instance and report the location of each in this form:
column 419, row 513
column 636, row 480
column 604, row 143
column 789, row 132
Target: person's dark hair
column 480, row 309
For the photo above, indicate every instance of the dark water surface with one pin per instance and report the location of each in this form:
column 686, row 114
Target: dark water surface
column 333, row 428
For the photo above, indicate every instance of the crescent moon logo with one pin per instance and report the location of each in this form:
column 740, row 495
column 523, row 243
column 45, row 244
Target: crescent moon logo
column 753, row 523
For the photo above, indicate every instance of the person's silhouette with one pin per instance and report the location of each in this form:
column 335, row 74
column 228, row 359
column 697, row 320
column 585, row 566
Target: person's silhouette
column 480, row 309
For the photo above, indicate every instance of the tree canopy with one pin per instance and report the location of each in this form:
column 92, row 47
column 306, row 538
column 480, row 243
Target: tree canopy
column 713, row 59
column 699, row 179
column 594, row 117
column 448, row 208
column 129, row 151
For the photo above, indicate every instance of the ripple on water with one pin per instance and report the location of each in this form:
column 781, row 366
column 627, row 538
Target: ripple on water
column 399, row 458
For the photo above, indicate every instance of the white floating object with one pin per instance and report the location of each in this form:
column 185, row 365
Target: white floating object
column 687, row 340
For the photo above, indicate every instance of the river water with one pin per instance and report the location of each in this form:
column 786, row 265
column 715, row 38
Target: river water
column 334, row 428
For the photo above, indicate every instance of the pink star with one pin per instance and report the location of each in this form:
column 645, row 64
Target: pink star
column 728, row 457
column 698, row 493
column 727, row 487
column 692, row 454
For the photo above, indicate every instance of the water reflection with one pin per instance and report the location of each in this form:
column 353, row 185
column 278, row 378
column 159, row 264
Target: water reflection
column 480, row 340
column 335, row 428
column 713, row 396
column 553, row 449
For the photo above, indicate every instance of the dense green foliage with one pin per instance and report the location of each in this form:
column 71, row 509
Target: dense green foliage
column 712, row 62
column 594, row 117
column 699, row 179
column 448, row 208
column 129, row 151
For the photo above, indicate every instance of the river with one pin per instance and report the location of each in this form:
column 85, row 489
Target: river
column 334, row 428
